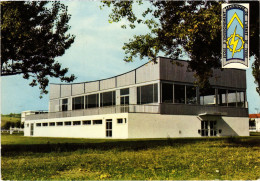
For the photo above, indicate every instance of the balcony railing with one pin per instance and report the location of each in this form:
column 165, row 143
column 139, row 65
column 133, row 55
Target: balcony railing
column 164, row 108
column 97, row 111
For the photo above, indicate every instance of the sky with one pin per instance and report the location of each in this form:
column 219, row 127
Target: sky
column 96, row 54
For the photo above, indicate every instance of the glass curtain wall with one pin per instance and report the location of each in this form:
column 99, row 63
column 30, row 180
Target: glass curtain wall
column 147, row 94
column 78, row 103
column 124, row 96
column 191, row 96
column 222, row 97
column 207, row 97
column 232, row 98
column 225, row 97
column 241, row 99
column 64, row 106
column 124, row 100
column 179, row 93
column 91, row 101
column 108, row 99
column 167, row 93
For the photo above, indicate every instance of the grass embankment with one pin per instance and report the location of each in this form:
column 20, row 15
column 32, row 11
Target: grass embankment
column 6, row 118
column 26, row 158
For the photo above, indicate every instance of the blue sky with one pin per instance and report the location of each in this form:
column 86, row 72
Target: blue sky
column 96, row 54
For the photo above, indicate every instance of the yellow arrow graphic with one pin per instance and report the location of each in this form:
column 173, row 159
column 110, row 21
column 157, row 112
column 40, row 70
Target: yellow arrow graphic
column 232, row 19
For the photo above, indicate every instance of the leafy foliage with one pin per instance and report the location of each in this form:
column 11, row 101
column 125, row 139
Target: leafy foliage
column 177, row 27
column 33, row 34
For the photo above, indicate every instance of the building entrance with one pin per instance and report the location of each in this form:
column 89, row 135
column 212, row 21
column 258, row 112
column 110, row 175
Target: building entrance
column 208, row 128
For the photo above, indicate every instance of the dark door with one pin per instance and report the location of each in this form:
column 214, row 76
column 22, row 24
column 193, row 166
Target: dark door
column 32, row 129
column 109, row 128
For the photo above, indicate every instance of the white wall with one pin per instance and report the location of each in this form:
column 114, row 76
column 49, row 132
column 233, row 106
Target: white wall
column 257, row 124
column 141, row 125
column 163, row 126
column 232, row 126
column 80, row 131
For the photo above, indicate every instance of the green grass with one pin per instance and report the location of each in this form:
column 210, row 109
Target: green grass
column 254, row 133
column 27, row 158
column 5, row 118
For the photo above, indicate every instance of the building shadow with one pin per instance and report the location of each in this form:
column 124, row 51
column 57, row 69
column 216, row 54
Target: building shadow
column 124, row 145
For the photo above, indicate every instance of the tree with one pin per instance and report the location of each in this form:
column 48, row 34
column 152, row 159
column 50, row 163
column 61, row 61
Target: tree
column 33, row 35
column 177, row 27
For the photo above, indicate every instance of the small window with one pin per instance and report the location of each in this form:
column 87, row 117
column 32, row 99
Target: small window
column 97, row 121
column 76, row 123
column 120, row 121
column 52, row 124
column 27, row 125
column 44, row 124
column 67, row 123
column 88, row 122
column 125, row 120
column 59, row 123
column 38, row 124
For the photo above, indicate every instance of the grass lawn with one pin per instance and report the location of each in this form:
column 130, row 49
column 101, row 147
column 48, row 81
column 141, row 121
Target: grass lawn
column 27, row 158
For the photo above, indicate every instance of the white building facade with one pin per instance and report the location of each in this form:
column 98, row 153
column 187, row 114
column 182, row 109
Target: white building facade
column 156, row 100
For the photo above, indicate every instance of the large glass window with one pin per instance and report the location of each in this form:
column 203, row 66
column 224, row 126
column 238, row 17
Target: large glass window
column 207, row 96
column 167, row 93
column 241, row 99
column 64, row 106
column 108, row 99
column 222, row 98
column 232, row 98
column 91, row 101
column 147, row 94
column 78, row 103
column 124, row 99
column 191, row 95
column 179, row 93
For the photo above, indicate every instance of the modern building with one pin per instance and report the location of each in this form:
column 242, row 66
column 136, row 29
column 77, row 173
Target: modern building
column 254, row 122
column 27, row 113
column 156, row 100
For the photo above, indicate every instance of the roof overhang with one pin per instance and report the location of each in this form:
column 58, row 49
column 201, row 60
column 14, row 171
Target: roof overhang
column 213, row 114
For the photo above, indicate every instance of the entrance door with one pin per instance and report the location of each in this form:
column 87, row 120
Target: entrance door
column 212, row 128
column 31, row 132
column 208, row 128
column 109, row 128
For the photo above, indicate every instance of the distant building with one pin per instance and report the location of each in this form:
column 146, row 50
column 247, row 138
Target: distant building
column 27, row 113
column 254, row 122
column 156, row 100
